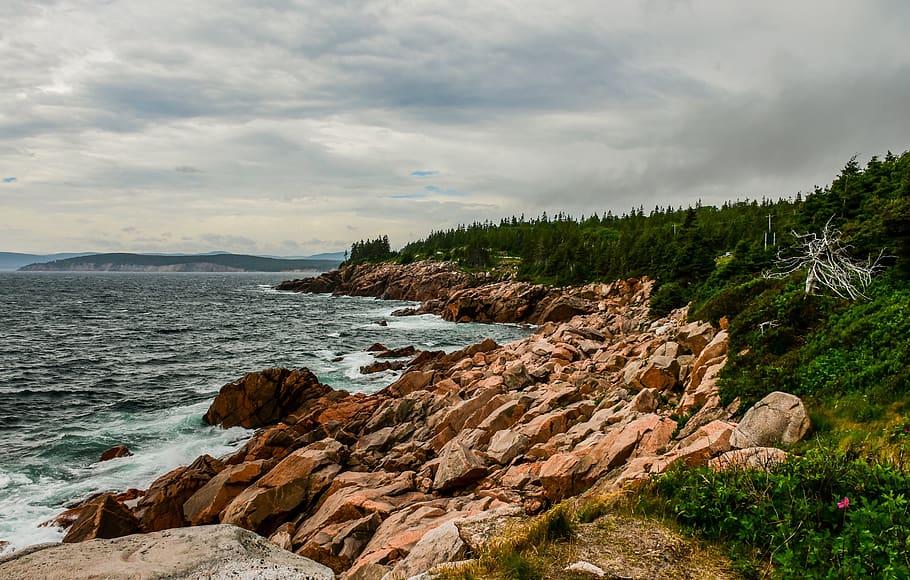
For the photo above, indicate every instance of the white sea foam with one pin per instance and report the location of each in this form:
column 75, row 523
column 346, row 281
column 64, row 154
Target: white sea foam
column 27, row 502
column 351, row 364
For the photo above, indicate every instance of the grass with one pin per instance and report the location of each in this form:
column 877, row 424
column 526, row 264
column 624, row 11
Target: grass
column 603, row 530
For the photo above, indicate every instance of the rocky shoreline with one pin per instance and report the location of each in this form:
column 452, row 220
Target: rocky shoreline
column 391, row 484
column 443, row 289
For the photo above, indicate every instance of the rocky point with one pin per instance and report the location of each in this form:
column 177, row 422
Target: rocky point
column 383, row 485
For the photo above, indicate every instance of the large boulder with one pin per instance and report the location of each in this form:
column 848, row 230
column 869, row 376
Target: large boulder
column 506, row 445
column 162, row 505
column 197, row 553
column 264, row 398
column 104, row 517
column 458, row 467
column 298, row 479
column 204, row 506
column 778, row 419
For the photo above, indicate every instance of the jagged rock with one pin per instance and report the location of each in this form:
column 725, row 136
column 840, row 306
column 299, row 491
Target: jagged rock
column 162, row 505
column 419, row 281
column 377, row 347
column 695, row 336
column 115, row 452
column 708, row 441
column 702, row 388
column 402, row 530
column 275, row 442
column 204, row 506
column 561, row 309
column 409, row 382
column 373, row 484
column 660, row 373
column 458, row 467
column 439, row 545
column 779, row 418
column 381, row 366
column 263, row 398
column 714, row 349
column 353, row 495
column 104, row 517
column 338, row 545
column 193, row 553
column 405, row 351
column 506, row 445
column 283, row 535
column 566, row 474
column 296, row 480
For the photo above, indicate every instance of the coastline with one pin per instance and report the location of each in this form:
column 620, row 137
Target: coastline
column 359, row 482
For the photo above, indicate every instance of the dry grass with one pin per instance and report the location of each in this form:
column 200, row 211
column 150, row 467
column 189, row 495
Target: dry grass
column 602, row 530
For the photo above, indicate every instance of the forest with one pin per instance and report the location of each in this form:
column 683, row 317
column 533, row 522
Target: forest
column 845, row 356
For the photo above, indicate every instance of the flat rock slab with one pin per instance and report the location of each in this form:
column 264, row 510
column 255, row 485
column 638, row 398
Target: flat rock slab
column 203, row 552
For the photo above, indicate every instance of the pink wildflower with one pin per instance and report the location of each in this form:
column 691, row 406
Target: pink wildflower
column 844, row 503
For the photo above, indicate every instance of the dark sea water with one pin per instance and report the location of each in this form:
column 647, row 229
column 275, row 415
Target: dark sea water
column 88, row 361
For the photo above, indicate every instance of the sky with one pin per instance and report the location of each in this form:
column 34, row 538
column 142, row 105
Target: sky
column 291, row 127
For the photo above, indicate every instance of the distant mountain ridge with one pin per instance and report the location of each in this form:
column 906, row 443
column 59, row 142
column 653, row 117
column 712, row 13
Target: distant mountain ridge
column 16, row 260
column 220, row 262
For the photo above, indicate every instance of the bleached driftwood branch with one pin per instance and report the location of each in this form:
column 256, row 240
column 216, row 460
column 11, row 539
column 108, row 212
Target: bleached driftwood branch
column 828, row 264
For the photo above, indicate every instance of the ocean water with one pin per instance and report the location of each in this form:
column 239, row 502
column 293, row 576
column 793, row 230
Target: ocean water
column 92, row 360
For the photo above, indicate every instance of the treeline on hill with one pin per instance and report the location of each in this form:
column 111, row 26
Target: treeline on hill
column 377, row 250
column 682, row 246
column 846, row 358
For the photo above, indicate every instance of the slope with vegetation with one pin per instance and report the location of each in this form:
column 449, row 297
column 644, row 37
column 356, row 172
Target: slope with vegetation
column 839, row 507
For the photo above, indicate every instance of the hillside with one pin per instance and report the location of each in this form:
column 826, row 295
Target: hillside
column 846, row 357
column 122, row 262
column 16, row 260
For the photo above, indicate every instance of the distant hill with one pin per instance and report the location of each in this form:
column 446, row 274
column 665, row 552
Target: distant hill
column 122, row 262
column 16, row 260
column 336, row 256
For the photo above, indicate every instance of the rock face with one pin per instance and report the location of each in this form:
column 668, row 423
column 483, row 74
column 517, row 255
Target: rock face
column 197, row 553
column 779, row 418
column 104, row 517
column 162, row 505
column 390, row 484
column 263, row 398
column 420, row 281
column 455, row 295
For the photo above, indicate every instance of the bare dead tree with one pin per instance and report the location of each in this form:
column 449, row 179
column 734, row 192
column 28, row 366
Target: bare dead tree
column 828, row 264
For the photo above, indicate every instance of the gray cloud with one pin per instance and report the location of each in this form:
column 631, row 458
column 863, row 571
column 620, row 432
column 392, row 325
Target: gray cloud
column 319, row 123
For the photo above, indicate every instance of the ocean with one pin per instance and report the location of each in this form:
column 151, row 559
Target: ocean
column 93, row 360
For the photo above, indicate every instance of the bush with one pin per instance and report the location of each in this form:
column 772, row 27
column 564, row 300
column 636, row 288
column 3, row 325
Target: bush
column 796, row 515
column 668, row 296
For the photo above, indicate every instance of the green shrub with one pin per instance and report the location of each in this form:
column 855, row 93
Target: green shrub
column 668, row 296
column 795, row 517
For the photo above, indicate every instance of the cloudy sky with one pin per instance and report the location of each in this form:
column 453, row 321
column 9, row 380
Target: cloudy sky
column 296, row 126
